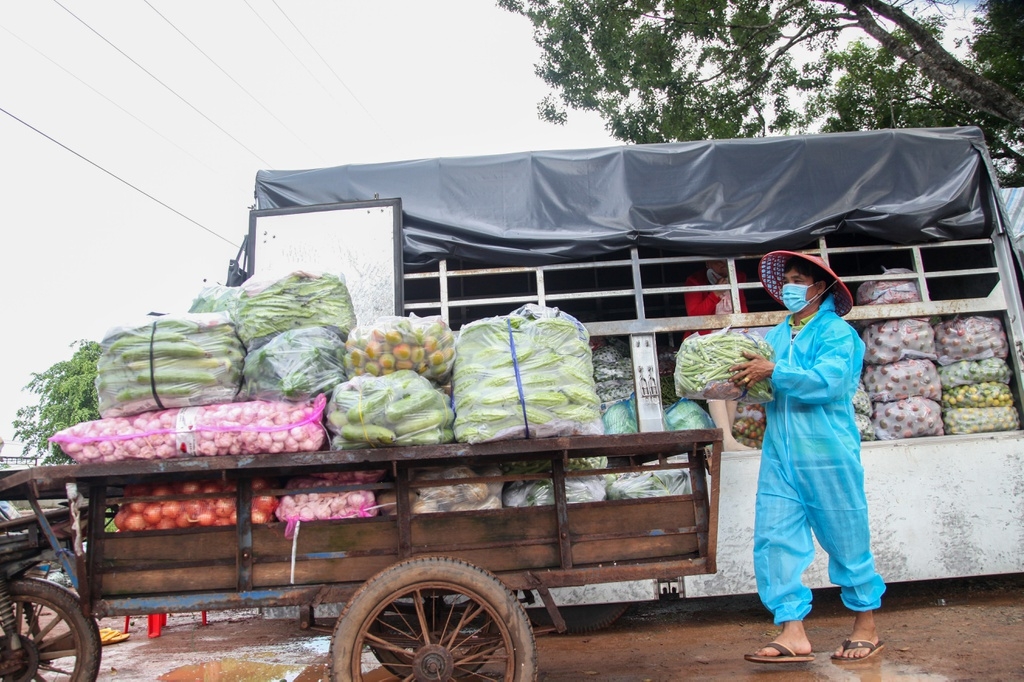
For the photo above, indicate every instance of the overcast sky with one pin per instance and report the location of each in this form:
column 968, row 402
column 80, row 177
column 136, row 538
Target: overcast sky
column 185, row 100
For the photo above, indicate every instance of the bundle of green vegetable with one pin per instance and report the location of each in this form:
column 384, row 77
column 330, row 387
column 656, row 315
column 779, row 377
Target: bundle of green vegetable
column 395, row 409
column 216, row 299
column 613, row 371
column 643, row 484
column 527, row 375
column 295, row 366
column 686, row 414
column 542, row 466
column 703, row 367
column 423, row 344
column 298, row 300
column 620, row 417
column 168, row 362
column 980, row 419
column 541, row 493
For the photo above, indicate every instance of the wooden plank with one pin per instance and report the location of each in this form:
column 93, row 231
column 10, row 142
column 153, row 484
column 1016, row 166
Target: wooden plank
column 169, row 547
column 641, row 516
column 168, row 581
column 636, row 549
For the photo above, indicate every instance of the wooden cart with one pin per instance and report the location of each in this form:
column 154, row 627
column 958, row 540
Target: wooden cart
column 432, row 595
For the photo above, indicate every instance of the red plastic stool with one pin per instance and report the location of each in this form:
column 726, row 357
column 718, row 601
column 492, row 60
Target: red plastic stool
column 155, row 622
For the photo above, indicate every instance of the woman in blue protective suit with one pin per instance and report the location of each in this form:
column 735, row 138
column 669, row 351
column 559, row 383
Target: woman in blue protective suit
column 811, row 479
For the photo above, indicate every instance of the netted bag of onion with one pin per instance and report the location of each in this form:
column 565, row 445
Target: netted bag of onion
column 902, row 379
column 318, row 498
column 250, row 428
column 962, row 420
column 893, row 340
column 908, row 418
column 970, row 338
column 186, row 504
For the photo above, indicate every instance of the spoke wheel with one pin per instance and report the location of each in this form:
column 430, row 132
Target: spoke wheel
column 435, row 618
column 63, row 644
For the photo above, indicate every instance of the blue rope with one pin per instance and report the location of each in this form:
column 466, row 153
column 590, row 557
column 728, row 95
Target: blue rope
column 519, row 380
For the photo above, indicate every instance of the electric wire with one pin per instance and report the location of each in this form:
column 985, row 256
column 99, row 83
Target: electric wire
column 137, row 119
column 118, row 178
column 167, row 87
column 232, row 79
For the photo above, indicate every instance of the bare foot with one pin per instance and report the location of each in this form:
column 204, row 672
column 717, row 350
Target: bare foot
column 863, row 630
column 793, row 637
column 733, row 445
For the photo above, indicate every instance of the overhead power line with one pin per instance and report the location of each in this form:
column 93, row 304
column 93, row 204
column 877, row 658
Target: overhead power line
column 118, row 178
column 167, row 87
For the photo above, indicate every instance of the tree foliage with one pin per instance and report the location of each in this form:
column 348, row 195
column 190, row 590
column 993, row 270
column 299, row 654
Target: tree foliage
column 67, row 396
column 664, row 70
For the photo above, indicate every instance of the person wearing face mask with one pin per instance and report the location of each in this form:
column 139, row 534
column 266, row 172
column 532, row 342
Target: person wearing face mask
column 723, row 412
column 811, row 479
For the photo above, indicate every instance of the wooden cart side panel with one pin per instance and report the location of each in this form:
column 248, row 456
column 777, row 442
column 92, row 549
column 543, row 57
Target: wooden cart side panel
column 658, row 527
column 167, row 581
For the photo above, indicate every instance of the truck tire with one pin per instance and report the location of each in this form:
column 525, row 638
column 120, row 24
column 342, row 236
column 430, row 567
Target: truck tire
column 466, row 624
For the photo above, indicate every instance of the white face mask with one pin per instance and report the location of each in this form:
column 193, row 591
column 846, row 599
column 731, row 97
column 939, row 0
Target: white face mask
column 713, row 277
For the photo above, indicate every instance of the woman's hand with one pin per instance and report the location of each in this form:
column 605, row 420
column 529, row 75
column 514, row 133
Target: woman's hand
column 755, row 369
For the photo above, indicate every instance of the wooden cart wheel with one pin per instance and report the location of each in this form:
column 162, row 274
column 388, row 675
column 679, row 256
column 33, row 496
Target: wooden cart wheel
column 59, row 641
column 435, row 618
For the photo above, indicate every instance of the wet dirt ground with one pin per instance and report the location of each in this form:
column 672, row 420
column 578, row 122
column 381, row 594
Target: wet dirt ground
column 969, row 629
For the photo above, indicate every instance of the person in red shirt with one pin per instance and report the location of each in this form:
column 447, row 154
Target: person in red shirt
column 723, row 412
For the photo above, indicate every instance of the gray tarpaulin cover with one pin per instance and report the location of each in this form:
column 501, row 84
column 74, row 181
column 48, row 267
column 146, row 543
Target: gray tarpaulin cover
column 721, row 197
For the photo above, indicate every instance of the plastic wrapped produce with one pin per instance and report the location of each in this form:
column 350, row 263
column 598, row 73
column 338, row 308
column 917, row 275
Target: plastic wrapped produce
column 864, row 425
column 295, row 365
column 187, row 504
column 620, row 417
column 908, row 418
column 686, row 414
column 974, row 372
column 169, row 361
column 861, row 401
column 985, row 394
column 898, row 380
column 541, row 466
column 527, row 375
column 216, row 299
column 892, row 340
column 301, row 299
column 889, row 291
column 232, row 429
column 704, row 361
column 424, row 345
column 541, row 493
column 980, row 419
column 402, row 408
column 457, row 497
column 643, row 484
column 613, row 371
column 970, row 338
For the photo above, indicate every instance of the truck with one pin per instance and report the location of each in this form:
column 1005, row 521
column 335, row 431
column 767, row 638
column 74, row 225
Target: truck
column 609, row 235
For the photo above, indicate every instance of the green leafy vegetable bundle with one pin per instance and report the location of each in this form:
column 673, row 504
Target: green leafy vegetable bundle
column 703, row 367
column 527, row 375
column 395, row 409
column 655, row 483
column 295, row 366
column 423, row 344
column 169, row 362
column 300, row 299
column 216, row 299
column 541, row 493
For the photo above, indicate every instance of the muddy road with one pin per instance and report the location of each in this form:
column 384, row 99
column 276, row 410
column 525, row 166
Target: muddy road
column 970, row 629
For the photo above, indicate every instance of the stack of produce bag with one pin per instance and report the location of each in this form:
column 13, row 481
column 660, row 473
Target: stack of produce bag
column 294, row 366
column 703, row 366
column 655, row 483
column 976, row 396
column 424, row 345
column 542, row 493
column 189, row 504
column 862, row 413
column 613, row 371
column 301, row 299
column 620, row 417
column 169, row 361
column 889, row 291
column 526, row 375
column 230, row 429
column 216, row 299
column 748, row 428
column 327, row 496
column 402, row 408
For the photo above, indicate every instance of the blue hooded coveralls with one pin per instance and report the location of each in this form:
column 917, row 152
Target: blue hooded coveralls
column 811, row 476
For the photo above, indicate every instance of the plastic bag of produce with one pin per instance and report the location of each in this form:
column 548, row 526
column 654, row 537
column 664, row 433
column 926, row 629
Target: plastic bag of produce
column 541, row 466
column 909, row 418
column 643, row 484
column 974, row 372
column 686, row 414
column 864, row 425
column 527, row 375
column 402, row 408
column 424, row 345
column 309, row 502
column 169, row 361
column 749, row 431
column 888, row 291
column 861, row 401
column 216, row 299
column 613, row 370
column 233, row 429
column 970, row 338
column 985, row 394
column 898, row 380
column 541, row 493
column 620, row 417
column 180, row 506
column 703, row 366
column 892, row 340
column 980, row 419
column 301, row 299
column 457, row 497
column 295, row 366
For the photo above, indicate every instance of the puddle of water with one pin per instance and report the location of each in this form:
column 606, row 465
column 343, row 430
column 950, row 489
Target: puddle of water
column 235, row 670
column 874, row 670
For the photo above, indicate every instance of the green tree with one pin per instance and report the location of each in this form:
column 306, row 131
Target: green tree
column 662, row 70
column 67, row 396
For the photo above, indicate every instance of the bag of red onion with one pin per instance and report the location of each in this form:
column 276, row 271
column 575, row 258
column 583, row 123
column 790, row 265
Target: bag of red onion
column 189, row 504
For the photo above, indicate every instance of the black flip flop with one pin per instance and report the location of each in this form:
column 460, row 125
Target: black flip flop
column 786, row 655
